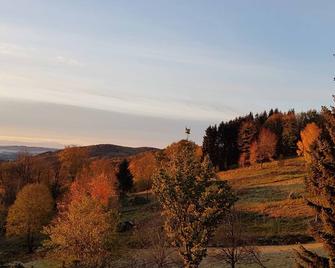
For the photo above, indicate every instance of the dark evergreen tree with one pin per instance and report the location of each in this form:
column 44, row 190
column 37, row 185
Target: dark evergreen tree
column 311, row 116
column 124, row 177
column 210, row 145
column 290, row 134
column 320, row 184
column 247, row 133
column 261, row 118
column 222, row 147
column 275, row 124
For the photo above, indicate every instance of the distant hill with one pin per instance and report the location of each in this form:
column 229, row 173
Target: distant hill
column 11, row 152
column 95, row 151
column 112, row 151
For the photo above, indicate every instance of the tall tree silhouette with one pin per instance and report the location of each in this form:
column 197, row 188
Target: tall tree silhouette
column 124, row 177
column 247, row 134
column 210, row 145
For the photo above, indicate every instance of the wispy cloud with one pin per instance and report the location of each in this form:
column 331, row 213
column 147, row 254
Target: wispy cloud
column 13, row 50
column 67, row 61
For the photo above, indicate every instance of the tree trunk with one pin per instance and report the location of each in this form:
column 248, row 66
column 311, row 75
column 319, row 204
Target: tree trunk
column 30, row 242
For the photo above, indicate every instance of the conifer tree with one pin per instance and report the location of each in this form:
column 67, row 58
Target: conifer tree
column 320, row 185
column 210, row 145
column 290, row 133
column 124, row 177
column 247, row 133
column 193, row 202
column 275, row 124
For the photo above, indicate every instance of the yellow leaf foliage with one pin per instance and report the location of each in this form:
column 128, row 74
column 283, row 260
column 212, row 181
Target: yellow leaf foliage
column 31, row 210
column 308, row 136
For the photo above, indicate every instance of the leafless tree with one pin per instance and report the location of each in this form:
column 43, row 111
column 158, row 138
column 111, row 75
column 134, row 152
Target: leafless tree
column 152, row 247
column 237, row 248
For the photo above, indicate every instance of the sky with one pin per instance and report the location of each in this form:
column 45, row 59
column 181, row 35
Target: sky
column 136, row 73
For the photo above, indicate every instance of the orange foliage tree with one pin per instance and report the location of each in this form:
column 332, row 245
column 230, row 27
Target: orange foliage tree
column 264, row 149
column 100, row 188
column 143, row 166
column 96, row 180
column 253, row 153
column 308, row 136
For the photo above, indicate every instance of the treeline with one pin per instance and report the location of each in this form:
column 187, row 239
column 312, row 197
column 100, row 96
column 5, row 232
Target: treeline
column 256, row 138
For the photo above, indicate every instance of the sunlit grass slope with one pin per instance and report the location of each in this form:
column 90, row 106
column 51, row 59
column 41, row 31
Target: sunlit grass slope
column 271, row 199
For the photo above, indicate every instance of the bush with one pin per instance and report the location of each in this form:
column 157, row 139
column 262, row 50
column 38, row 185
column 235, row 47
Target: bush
column 142, row 185
column 138, row 200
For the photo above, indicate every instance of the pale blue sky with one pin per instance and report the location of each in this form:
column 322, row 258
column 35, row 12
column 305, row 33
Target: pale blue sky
column 136, row 72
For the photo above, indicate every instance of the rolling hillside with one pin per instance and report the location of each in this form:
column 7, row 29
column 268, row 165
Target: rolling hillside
column 271, row 199
column 107, row 151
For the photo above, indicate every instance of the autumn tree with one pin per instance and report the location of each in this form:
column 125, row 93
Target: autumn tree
column 72, row 160
column 83, row 233
column 193, row 202
column 247, row 134
column 101, row 188
column 308, row 136
column 253, row 153
column 124, row 177
column 275, row 124
column 320, row 185
column 24, row 168
column 142, row 167
column 264, row 149
column 30, row 212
